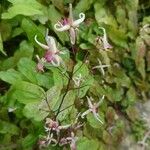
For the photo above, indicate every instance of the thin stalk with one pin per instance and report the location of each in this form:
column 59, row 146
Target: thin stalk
column 69, row 81
column 67, row 89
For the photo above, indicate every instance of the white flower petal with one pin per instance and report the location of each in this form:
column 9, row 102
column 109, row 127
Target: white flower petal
column 80, row 20
column 100, row 101
column 61, row 28
column 51, row 43
column 57, row 60
column 72, row 36
column 40, row 44
column 64, row 127
column 97, row 117
column 89, row 102
column 70, row 14
column 85, row 113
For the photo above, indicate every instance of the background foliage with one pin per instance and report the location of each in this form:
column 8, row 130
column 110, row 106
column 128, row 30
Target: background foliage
column 126, row 84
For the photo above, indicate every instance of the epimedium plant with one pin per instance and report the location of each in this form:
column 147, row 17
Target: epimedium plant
column 52, row 57
column 77, row 91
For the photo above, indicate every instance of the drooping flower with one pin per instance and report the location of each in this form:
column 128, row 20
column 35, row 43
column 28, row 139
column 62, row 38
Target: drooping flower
column 101, row 67
column 72, row 141
column 106, row 45
column 93, row 108
column 69, row 140
column 70, row 24
column 40, row 64
column 50, row 139
column 52, row 53
column 52, row 125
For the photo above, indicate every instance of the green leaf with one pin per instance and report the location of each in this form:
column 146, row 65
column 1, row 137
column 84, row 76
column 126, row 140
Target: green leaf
column 132, row 113
column 83, row 6
column 1, row 45
column 28, row 68
column 114, row 95
column 45, row 80
column 59, row 4
column 118, row 37
column 87, row 144
column 121, row 79
column 26, row 92
column 121, row 15
column 103, row 16
column 128, row 63
column 39, row 110
column 27, row 25
column 26, row 8
column 107, row 138
column 5, row 30
column 17, row 31
column 6, row 127
column 131, row 96
column 53, row 96
column 10, row 76
column 57, row 77
column 68, row 101
column 32, row 110
column 87, row 80
column 140, row 54
column 93, row 122
column 148, row 60
column 28, row 141
column 81, row 68
column 25, row 50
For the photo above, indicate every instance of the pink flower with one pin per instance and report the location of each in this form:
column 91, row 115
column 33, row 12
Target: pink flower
column 40, row 64
column 93, row 108
column 70, row 24
column 72, row 141
column 47, row 140
column 52, row 53
column 52, row 125
column 69, row 140
column 104, row 40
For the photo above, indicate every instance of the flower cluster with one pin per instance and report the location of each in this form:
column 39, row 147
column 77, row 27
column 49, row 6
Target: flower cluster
column 54, row 136
column 53, row 128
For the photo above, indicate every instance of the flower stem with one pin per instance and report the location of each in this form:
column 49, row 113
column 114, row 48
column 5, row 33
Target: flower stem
column 67, row 89
column 73, row 48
